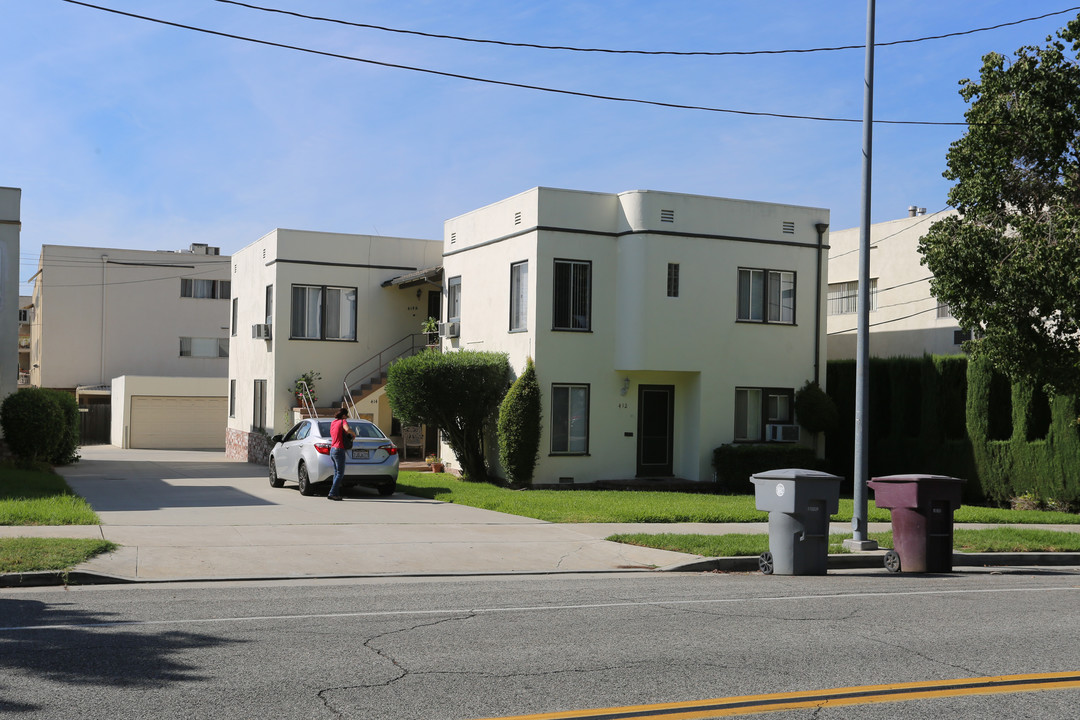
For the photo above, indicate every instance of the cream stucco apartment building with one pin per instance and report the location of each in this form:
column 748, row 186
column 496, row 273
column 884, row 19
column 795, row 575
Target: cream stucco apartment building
column 905, row 319
column 142, row 333
column 325, row 303
column 662, row 325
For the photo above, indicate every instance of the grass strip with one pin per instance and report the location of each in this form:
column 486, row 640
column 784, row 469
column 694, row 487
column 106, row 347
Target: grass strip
column 648, row 506
column 1012, row 539
column 38, row 496
column 22, row 554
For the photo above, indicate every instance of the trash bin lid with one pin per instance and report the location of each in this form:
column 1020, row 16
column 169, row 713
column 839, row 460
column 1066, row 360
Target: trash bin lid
column 793, row 474
column 916, row 478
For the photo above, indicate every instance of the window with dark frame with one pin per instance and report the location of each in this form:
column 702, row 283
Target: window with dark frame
column 269, row 305
column 197, row 347
column 232, row 398
column 673, row 280
column 757, row 407
column 453, row 299
column 569, row 419
column 572, row 294
column 519, row 296
column 766, row 296
column 258, row 414
column 205, row 289
column 235, row 310
column 323, row 312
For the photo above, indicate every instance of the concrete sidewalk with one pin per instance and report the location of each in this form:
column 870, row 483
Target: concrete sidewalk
column 188, row 515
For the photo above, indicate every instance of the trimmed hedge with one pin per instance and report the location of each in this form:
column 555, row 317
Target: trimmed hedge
column 946, row 416
column 41, row 424
column 735, row 464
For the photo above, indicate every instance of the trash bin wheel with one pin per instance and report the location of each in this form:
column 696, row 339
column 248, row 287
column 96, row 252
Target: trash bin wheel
column 892, row 561
column 765, row 563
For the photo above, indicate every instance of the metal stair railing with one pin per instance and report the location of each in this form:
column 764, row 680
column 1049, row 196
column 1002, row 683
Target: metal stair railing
column 348, row 404
column 375, row 365
column 306, row 402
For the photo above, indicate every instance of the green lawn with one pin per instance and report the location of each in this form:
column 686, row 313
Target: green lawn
column 41, row 497
column 1013, row 539
column 611, row 506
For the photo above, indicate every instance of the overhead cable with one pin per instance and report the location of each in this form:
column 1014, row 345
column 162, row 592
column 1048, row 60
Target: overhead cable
column 705, row 53
column 505, row 83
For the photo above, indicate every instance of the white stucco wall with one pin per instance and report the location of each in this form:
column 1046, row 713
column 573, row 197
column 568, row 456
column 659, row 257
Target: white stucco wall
column 10, row 225
column 284, row 258
column 691, row 342
column 905, row 322
column 105, row 312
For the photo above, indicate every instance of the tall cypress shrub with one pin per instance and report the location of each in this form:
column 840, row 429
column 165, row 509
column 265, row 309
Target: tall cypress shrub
column 519, row 427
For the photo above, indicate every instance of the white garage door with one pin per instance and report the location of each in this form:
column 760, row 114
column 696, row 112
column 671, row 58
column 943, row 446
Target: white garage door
column 195, row 423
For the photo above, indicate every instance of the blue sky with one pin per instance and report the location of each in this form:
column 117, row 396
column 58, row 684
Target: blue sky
column 126, row 133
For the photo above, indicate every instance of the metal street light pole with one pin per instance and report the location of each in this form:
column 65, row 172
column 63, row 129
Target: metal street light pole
column 859, row 540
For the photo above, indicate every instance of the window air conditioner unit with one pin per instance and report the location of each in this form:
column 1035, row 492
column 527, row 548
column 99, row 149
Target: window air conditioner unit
column 782, row 433
column 261, row 331
column 449, row 329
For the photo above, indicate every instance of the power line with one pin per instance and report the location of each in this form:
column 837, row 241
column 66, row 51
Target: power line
column 705, row 53
column 901, row 230
column 504, row 83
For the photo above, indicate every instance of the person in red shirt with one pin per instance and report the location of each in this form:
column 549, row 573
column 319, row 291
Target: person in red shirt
column 339, row 428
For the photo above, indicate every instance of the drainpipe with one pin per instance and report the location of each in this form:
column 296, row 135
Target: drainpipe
column 821, row 228
column 104, row 275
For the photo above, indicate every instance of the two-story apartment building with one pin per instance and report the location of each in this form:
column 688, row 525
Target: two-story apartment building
column 905, row 319
column 325, row 303
column 662, row 325
column 100, row 314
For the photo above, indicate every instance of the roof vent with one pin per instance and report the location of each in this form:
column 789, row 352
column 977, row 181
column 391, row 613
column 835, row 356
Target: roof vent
column 667, row 216
column 453, row 238
column 517, row 218
column 915, row 211
column 789, row 227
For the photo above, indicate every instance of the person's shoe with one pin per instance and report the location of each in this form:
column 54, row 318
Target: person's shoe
column 333, row 497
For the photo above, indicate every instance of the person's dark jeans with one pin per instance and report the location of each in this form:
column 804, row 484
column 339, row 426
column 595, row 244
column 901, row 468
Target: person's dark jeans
column 337, row 456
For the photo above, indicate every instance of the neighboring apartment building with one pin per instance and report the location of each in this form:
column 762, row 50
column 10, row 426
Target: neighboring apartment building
column 905, row 319
column 26, row 316
column 10, row 226
column 322, row 302
column 662, row 325
column 104, row 313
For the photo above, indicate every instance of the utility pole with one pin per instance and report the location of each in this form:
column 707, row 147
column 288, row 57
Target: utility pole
column 859, row 539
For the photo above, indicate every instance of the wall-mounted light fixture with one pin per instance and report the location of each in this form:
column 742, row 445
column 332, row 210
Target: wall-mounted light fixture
column 625, row 386
column 419, row 292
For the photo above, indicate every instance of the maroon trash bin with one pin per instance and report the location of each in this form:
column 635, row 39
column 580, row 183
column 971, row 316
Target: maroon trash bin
column 922, row 520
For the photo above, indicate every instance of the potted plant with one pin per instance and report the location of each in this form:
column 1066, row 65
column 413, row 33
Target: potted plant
column 308, row 378
column 435, row 463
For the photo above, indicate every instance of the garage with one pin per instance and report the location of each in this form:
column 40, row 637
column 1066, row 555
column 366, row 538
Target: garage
column 193, row 423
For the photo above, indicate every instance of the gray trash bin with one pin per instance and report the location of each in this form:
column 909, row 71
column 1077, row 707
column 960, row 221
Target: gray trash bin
column 799, row 503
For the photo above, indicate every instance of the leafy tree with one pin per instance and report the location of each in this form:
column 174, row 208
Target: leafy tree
column 1008, row 265
column 459, row 392
column 519, row 426
column 815, row 410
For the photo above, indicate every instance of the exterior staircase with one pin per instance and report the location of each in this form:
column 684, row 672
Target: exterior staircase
column 369, row 377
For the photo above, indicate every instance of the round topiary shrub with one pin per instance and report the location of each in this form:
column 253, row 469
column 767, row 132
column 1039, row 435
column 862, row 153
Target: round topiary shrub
column 41, row 424
column 815, row 410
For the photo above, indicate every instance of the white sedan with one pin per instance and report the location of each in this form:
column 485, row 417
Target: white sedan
column 302, row 455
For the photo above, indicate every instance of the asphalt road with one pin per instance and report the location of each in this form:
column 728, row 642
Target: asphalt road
column 431, row 649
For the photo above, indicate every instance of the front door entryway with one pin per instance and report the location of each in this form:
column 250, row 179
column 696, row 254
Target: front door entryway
column 656, row 430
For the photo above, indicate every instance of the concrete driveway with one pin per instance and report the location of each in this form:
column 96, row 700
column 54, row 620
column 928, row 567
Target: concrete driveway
column 196, row 515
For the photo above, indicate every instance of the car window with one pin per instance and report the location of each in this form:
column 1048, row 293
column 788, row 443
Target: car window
column 304, row 431
column 291, row 435
column 366, row 430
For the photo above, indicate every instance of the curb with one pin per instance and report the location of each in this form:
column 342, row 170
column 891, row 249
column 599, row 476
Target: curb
column 875, row 561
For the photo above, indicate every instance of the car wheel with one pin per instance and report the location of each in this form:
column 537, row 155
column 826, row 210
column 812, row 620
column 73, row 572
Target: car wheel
column 275, row 481
column 304, row 480
column 386, row 490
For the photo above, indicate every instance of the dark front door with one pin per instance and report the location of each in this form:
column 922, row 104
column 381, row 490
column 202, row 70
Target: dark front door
column 656, row 430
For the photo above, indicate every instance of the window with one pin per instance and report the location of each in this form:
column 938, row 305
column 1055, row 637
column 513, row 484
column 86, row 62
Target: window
column 757, row 407
column 766, row 296
column 320, row 312
column 258, row 415
column 232, row 398
column 204, row 347
column 673, row 279
column 843, row 297
column 453, row 299
column 235, row 307
column 519, row 296
column 570, row 419
column 195, row 288
column 943, row 309
column 269, row 305
column 573, row 295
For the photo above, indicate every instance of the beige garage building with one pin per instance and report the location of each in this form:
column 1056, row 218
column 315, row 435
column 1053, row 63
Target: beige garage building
column 169, row 413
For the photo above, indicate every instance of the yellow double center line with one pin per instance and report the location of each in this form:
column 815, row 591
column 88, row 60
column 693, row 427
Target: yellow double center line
column 752, row 704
